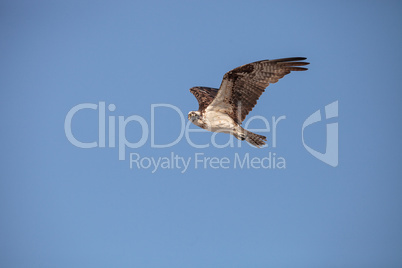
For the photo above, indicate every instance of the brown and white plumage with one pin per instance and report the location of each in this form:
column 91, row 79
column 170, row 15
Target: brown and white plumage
column 224, row 109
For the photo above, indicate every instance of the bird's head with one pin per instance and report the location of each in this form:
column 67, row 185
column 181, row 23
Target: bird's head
column 194, row 115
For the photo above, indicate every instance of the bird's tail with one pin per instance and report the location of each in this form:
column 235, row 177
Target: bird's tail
column 255, row 139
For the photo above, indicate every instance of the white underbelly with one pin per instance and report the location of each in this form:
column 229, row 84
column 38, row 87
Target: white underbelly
column 220, row 122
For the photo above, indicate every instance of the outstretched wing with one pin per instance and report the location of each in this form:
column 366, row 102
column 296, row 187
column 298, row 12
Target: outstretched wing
column 242, row 86
column 204, row 96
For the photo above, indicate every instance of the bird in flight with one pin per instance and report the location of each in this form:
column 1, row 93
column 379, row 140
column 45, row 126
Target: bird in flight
column 224, row 109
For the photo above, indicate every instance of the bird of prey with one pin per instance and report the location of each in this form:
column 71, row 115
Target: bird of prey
column 224, row 109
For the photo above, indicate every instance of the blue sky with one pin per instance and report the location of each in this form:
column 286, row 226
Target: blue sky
column 65, row 206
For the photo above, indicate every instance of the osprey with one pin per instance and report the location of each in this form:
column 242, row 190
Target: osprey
column 224, row 109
